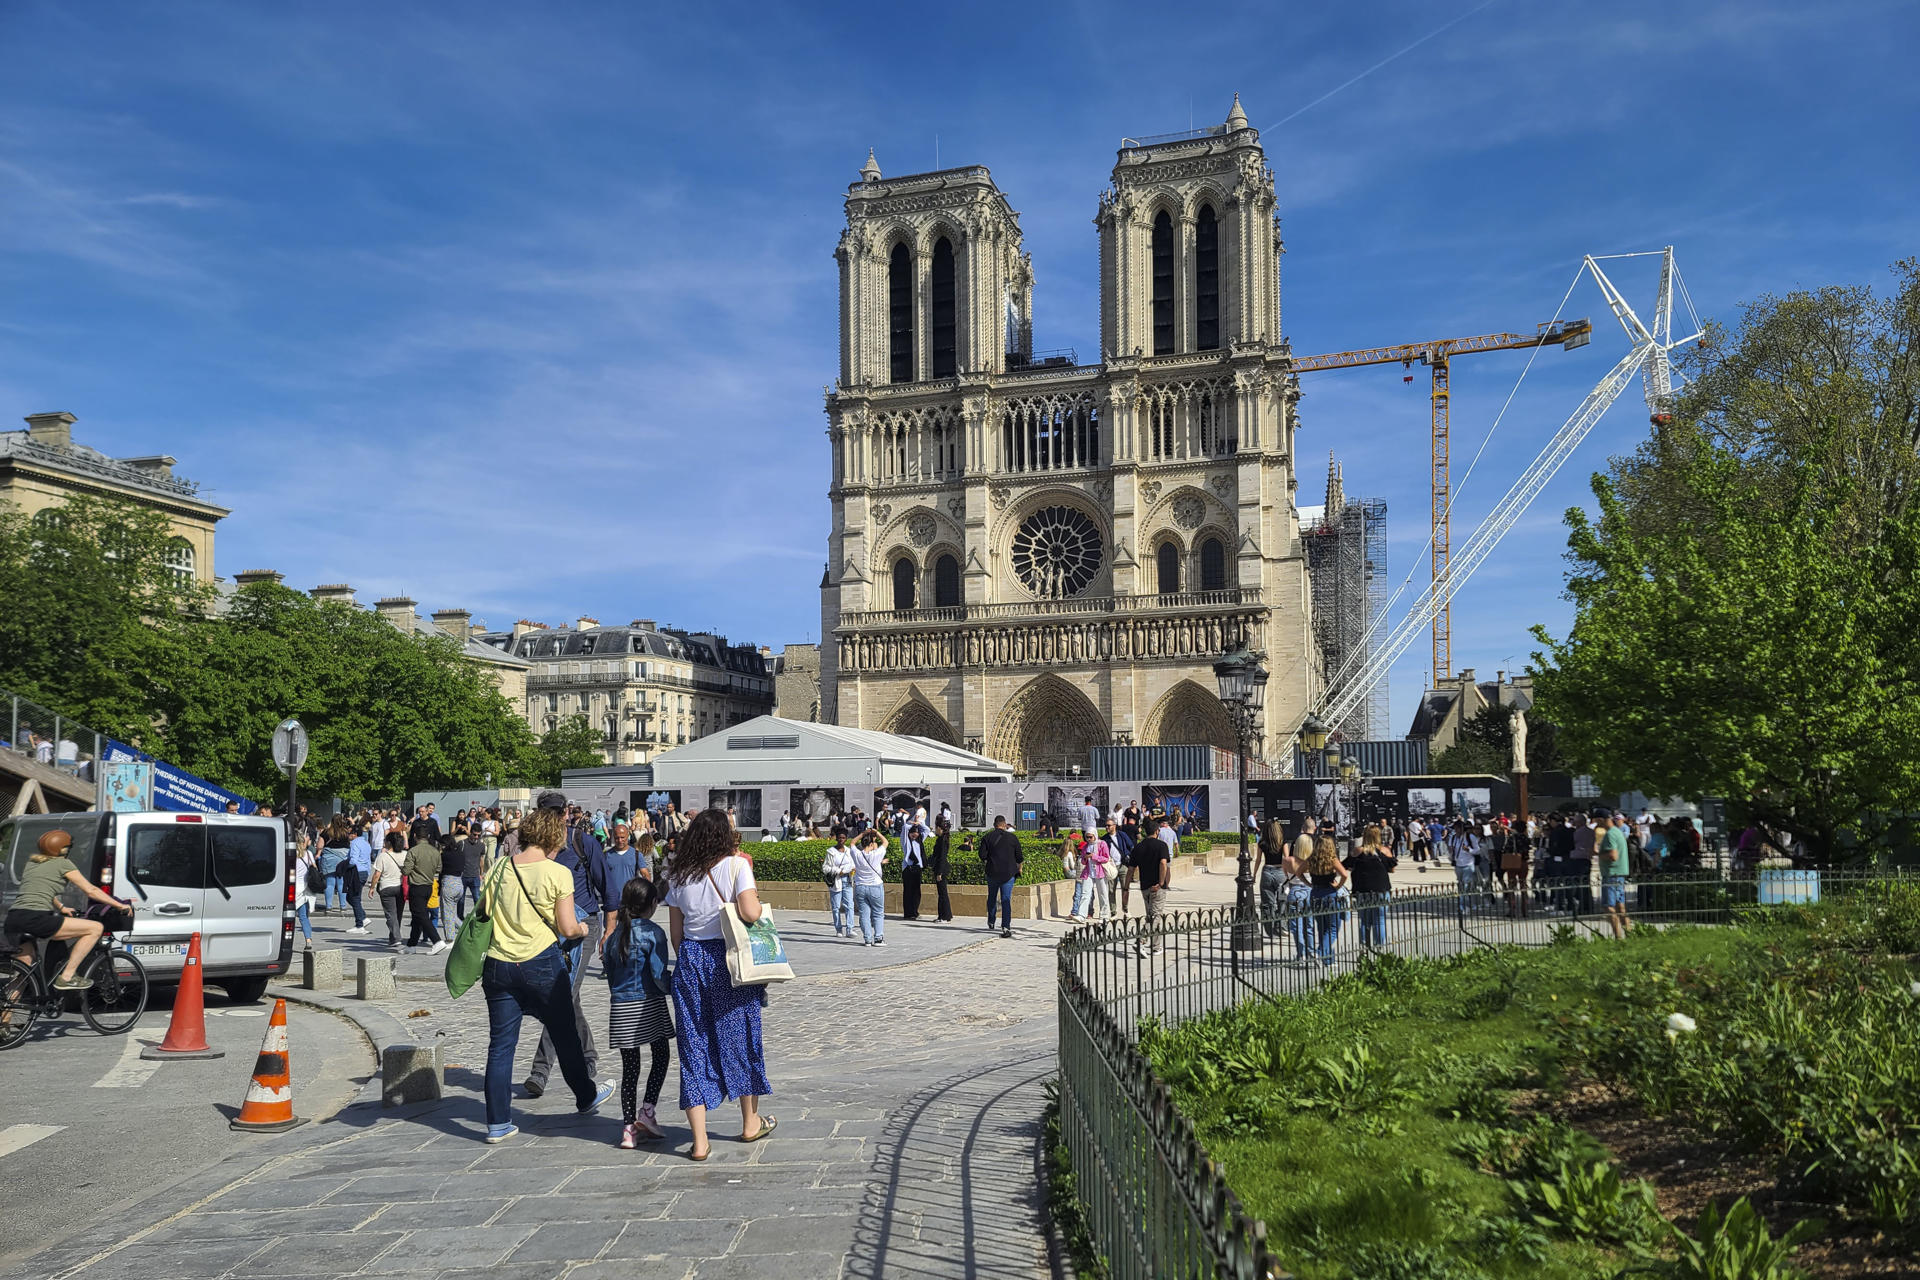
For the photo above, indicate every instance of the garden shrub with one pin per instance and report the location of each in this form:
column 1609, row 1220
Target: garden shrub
column 799, row 860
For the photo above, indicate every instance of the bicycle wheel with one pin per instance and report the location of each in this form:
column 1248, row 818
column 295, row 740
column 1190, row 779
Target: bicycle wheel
column 19, row 1003
column 118, row 994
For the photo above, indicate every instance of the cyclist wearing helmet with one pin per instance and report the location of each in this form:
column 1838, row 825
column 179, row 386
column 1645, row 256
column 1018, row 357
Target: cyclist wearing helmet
column 37, row 911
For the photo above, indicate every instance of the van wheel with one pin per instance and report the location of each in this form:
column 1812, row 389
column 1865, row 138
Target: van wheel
column 245, row 990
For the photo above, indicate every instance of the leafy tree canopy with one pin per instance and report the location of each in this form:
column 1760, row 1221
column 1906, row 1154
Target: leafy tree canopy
column 571, row 744
column 388, row 713
column 91, row 610
column 1745, row 600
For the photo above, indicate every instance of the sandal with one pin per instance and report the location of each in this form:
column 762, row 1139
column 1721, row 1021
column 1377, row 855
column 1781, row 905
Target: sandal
column 767, row 1126
column 691, row 1156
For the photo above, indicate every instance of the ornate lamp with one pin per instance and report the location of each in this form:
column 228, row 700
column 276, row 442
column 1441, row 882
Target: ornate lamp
column 1243, row 692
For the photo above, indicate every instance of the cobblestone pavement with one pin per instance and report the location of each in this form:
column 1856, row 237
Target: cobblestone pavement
column 908, row 1083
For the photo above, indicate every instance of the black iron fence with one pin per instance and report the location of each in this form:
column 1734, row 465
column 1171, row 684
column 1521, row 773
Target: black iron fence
column 1156, row 1206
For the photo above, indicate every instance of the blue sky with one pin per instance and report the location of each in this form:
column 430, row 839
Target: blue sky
column 528, row 309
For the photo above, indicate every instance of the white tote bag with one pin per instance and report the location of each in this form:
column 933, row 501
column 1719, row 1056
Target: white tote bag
column 755, row 954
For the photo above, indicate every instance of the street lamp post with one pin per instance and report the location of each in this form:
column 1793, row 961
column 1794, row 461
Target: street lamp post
column 1243, row 691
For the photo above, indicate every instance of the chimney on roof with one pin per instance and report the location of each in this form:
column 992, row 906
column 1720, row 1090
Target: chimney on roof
column 453, row 622
column 645, row 624
column 338, row 591
column 251, row 576
column 158, row 465
column 585, row 623
column 54, row 430
column 525, row 625
column 397, row 610
column 1466, row 676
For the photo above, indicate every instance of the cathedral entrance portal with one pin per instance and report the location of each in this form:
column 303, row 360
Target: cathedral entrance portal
column 1189, row 714
column 1048, row 726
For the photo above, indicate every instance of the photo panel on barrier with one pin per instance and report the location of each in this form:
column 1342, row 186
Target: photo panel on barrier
column 1063, row 804
column 1472, row 802
column 654, row 802
column 744, row 801
column 815, row 807
column 973, row 808
column 1193, row 803
column 1426, row 802
column 912, row 799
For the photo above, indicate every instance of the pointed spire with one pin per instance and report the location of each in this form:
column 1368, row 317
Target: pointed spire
column 870, row 171
column 1236, row 118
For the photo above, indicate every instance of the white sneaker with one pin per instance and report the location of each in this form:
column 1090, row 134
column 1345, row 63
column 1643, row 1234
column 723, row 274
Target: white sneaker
column 438, row 947
column 360, row 929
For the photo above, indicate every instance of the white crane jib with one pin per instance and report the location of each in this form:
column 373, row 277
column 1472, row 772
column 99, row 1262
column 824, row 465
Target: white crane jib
column 1648, row 356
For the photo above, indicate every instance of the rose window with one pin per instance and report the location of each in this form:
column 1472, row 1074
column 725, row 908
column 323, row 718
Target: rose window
column 1056, row 552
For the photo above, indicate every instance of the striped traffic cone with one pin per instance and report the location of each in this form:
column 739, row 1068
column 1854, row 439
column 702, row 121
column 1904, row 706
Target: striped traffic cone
column 269, row 1104
column 187, row 1029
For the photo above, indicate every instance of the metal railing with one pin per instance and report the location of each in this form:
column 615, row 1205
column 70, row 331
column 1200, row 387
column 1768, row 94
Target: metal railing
column 49, row 738
column 1156, row 1205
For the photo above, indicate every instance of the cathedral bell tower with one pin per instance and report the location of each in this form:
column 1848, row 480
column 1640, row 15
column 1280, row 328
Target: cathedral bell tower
column 1034, row 554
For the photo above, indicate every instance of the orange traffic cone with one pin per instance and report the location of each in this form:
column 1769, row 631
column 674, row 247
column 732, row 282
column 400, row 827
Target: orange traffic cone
column 269, row 1104
column 187, row 1029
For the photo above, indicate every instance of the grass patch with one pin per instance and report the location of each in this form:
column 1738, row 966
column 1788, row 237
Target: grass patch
column 1398, row 1124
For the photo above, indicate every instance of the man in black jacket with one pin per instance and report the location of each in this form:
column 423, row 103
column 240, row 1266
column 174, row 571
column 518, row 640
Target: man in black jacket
column 1001, row 852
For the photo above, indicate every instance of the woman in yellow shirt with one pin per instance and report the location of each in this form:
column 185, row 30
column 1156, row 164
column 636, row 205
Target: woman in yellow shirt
column 529, row 898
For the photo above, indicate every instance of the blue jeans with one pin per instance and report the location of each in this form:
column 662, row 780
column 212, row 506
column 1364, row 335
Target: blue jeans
column 870, row 905
column 1373, row 919
column 1000, row 895
column 1087, row 895
column 1298, row 896
column 840, row 903
column 1326, row 920
column 301, row 913
column 538, row 987
column 1467, row 877
column 336, row 889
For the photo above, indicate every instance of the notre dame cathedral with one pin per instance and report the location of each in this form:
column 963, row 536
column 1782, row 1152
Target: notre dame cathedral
column 1033, row 556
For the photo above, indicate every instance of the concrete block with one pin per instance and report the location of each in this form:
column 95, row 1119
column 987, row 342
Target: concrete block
column 373, row 978
column 410, row 1073
column 321, row 970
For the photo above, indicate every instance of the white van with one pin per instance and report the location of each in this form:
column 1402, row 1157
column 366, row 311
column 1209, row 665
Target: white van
column 223, row 876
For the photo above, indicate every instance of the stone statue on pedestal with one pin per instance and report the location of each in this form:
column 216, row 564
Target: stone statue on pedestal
column 1519, row 740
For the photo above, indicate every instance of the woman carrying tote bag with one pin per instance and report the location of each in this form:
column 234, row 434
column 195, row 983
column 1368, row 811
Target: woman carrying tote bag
column 716, row 1023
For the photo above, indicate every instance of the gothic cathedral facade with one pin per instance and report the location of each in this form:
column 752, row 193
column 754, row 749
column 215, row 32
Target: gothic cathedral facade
column 1032, row 556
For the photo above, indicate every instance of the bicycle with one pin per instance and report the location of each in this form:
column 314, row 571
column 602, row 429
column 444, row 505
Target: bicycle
column 114, row 999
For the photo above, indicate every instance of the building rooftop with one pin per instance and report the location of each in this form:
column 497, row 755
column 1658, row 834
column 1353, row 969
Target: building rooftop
column 48, row 442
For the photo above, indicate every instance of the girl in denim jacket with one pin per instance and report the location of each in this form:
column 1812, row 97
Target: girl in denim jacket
column 634, row 956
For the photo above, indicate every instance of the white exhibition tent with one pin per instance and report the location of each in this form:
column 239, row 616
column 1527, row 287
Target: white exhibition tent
column 770, row 751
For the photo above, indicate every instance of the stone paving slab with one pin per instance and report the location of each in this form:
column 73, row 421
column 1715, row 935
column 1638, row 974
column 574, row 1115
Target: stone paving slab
column 908, row 1096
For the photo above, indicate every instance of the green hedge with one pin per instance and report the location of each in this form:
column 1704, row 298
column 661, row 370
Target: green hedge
column 799, row 860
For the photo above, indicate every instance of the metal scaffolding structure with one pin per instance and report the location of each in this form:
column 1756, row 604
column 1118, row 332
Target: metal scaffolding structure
column 1346, row 545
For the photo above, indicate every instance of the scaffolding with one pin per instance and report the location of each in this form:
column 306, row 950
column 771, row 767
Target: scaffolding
column 1346, row 545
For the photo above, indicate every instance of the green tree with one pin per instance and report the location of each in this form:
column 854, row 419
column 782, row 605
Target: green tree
column 388, row 713
column 92, row 611
column 571, row 744
column 1745, row 600
column 1485, row 745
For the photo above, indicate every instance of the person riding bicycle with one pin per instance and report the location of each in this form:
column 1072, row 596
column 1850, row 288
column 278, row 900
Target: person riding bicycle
column 37, row 911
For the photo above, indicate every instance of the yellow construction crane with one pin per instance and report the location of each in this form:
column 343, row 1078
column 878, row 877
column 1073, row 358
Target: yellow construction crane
column 1437, row 355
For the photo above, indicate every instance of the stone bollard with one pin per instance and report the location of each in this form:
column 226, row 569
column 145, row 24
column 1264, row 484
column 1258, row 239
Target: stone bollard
column 373, row 978
column 320, row 970
column 410, row 1073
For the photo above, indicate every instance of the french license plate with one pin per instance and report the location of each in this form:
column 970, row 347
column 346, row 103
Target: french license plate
column 156, row 948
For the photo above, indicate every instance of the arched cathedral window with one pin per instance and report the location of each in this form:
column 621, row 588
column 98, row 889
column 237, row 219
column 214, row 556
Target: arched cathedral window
column 1206, row 281
column 942, row 348
column 1213, row 565
column 946, row 582
column 1167, row 562
column 1163, row 285
column 900, row 314
column 903, row 573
